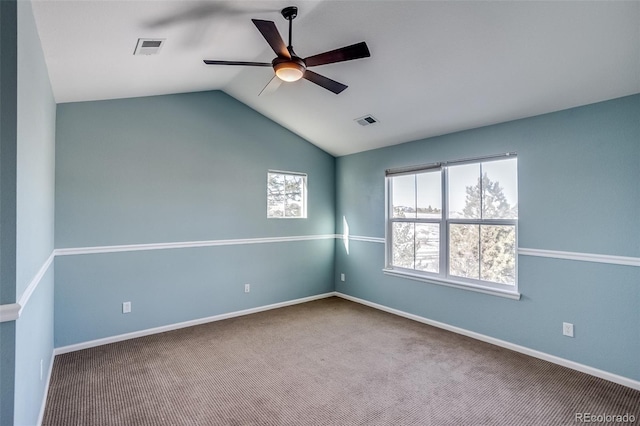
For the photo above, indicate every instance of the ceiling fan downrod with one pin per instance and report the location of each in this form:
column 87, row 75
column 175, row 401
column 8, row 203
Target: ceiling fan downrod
column 290, row 13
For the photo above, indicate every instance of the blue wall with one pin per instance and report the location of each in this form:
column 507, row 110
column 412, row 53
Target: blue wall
column 28, row 157
column 8, row 143
column 36, row 152
column 578, row 173
column 34, row 345
column 36, row 112
column 180, row 168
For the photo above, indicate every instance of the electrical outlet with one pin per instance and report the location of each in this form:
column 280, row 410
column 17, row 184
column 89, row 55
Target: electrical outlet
column 342, row 277
column 126, row 307
column 567, row 329
column 247, row 288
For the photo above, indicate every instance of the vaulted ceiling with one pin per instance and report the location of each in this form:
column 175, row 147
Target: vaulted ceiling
column 436, row 66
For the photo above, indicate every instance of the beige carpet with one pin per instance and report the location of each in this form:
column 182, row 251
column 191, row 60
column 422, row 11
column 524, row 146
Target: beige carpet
column 328, row 362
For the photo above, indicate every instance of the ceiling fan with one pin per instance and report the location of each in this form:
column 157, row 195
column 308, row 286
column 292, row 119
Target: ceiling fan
column 290, row 67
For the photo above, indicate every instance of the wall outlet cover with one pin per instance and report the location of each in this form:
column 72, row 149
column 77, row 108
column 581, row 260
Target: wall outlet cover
column 567, row 329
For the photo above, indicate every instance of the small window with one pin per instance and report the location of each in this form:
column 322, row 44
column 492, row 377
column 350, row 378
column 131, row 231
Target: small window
column 455, row 223
column 286, row 195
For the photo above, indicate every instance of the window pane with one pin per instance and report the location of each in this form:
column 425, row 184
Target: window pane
column 464, row 191
column 464, row 259
column 293, row 196
column 286, row 195
column 427, row 247
column 500, row 189
column 429, row 191
column 275, row 195
column 498, row 254
column 403, row 244
column 403, row 189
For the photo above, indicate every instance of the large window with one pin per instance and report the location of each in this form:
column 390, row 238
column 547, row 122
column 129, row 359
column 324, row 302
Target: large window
column 286, row 195
column 455, row 223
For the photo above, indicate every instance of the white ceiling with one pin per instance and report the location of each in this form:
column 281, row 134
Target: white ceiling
column 436, row 66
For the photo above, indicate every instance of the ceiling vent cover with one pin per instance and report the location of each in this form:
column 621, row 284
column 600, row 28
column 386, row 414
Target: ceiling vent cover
column 149, row 46
column 366, row 120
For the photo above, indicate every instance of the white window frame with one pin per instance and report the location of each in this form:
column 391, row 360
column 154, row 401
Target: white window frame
column 443, row 277
column 303, row 214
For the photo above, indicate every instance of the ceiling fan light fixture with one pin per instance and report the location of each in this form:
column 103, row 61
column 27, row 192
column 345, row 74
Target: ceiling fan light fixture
column 289, row 70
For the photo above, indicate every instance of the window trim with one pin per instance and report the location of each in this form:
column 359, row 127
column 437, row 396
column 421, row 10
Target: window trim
column 304, row 193
column 443, row 277
column 405, row 273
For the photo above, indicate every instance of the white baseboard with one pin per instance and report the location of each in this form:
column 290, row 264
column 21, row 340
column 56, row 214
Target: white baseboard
column 162, row 329
column 625, row 381
column 43, row 406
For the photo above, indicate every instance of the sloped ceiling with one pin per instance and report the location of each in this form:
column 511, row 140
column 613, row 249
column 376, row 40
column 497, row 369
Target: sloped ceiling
column 436, row 66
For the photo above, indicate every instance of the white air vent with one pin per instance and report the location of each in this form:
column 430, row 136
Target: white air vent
column 366, row 120
column 149, row 46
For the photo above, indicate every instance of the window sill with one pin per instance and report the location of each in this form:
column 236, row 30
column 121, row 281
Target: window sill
column 455, row 284
column 286, row 217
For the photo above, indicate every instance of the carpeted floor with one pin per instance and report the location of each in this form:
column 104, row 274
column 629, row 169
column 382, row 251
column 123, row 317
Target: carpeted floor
column 327, row 362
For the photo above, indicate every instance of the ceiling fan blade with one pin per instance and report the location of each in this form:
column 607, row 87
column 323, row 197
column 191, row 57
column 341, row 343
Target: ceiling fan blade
column 323, row 81
column 250, row 64
column 270, row 33
column 271, row 86
column 355, row 51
